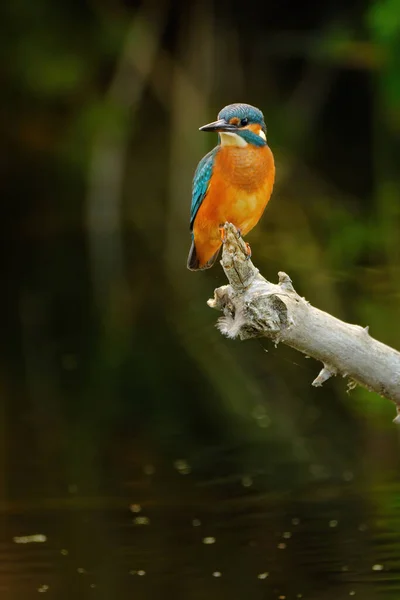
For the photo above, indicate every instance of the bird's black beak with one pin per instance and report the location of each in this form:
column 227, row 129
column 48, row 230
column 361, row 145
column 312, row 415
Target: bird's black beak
column 220, row 125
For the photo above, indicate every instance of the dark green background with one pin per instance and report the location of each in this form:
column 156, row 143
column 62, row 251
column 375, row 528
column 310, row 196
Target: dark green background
column 112, row 369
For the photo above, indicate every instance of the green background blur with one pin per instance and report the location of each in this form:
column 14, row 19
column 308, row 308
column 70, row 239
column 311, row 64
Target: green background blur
column 110, row 356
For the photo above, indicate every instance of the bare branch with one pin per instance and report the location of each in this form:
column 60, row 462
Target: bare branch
column 252, row 306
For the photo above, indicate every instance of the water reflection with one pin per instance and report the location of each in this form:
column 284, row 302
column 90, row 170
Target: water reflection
column 166, row 535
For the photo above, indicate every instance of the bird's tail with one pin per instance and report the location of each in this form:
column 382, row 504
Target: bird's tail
column 193, row 262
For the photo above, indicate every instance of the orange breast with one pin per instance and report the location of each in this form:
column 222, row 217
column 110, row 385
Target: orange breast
column 239, row 191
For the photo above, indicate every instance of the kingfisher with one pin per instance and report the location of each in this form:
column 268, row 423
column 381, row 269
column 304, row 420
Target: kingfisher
column 232, row 183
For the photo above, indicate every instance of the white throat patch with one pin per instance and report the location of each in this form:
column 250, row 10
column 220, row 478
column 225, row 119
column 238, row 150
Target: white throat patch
column 262, row 135
column 228, row 138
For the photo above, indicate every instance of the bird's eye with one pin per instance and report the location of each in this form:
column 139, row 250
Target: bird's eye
column 244, row 122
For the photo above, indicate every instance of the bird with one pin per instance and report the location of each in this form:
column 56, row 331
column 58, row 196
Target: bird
column 232, row 183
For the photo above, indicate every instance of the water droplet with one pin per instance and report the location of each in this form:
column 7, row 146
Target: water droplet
column 263, row 575
column 352, row 593
column 209, row 540
column 135, row 508
column 282, row 546
column 377, row 568
column 287, row 535
column 141, row 521
column 140, row 572
column 217, row 574
column 43, row 588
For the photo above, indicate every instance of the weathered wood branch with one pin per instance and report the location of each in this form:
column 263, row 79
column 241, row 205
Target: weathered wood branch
column 254, row 307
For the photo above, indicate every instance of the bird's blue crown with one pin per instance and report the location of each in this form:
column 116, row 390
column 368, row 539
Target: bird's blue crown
column 243, row 115
column 242, row 111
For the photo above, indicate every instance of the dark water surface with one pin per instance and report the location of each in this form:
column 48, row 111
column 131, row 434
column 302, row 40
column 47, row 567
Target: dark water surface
column 171, row 532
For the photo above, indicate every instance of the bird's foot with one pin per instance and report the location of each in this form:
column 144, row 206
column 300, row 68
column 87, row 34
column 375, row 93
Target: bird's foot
column 248, row 251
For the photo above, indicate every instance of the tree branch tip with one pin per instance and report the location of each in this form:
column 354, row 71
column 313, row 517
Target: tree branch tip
column 285, row 282
column 326, row 373
column 220, row 299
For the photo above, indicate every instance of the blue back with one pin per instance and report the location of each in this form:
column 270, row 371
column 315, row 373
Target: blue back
column 201, row 182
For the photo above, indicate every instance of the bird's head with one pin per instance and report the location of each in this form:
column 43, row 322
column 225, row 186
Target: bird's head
column 239, row 125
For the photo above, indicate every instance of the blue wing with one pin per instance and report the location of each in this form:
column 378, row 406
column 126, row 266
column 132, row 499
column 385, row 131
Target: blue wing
column 201, row 181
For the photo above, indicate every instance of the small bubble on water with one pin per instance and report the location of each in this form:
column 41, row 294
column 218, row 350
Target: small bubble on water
column 247, row 481
column 135, row 508
column 217, row 574
column 282, row 546
column 209, row 540
column 287, row 535
column 141, row 521
column 352, row 593
column 30, row 539
column 140, row 572
column 263, row 575
column 333, row 523
column 182, row 466
column 43, row 588
column 196, row 522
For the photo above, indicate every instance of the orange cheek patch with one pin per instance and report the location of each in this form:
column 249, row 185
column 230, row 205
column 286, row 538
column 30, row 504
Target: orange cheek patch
column 254, row 128
column 234, row 121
